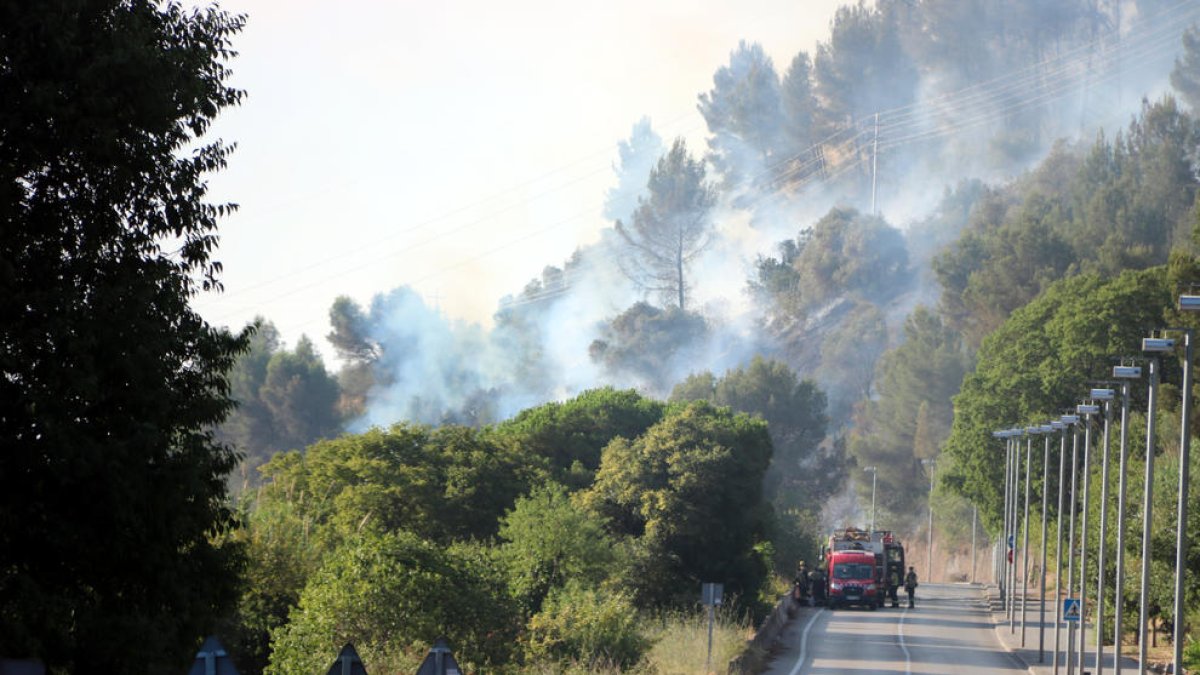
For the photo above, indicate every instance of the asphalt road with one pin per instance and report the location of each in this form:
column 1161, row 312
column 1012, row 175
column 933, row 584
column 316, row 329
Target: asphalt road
column 950, row 632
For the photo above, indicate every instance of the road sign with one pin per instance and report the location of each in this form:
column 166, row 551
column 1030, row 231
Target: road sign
column 347, row 663
column 710, row 594
column 1071, row 609
column 439, row 661
column 212, row 659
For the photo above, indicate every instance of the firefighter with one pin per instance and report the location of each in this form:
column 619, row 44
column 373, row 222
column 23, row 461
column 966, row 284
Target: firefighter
column 816, row 581
column 800, row 583
column 894, row 586
column 910, row 585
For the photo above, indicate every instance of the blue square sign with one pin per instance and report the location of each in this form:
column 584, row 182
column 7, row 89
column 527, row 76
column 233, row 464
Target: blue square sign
column 1071, row 609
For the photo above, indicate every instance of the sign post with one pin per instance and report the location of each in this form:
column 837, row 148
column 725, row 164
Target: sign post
column 710, row 596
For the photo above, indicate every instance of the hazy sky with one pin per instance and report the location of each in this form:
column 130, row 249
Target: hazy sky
column 453, row 147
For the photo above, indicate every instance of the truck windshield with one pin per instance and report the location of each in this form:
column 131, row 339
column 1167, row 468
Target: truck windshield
column 852, row 571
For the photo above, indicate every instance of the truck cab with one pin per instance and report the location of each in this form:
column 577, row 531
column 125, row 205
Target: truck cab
column 852, row 579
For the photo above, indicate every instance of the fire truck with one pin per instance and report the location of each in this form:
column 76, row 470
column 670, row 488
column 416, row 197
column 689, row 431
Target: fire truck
column 860, row 567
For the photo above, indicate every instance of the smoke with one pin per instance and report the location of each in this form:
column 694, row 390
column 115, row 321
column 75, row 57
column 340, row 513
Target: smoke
column 989, row 120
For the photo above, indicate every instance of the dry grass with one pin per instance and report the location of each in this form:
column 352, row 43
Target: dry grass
column 681, row 642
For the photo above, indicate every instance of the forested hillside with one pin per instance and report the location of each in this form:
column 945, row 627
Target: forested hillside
column 947, row 218
column 850, row 341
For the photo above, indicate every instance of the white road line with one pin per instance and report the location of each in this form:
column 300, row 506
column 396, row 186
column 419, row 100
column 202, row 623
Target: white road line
column 904, row 647
column 804, row 641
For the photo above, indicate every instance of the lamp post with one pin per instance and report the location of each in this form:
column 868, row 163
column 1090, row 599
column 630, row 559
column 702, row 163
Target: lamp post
column 1187, row 303
column 1012, row 536
column 1070, row 652
column 1153, row 346
column 1125, row 374
column 1030, row 432
column 1107, row 396
column 1046, row 429
column 1006, row 541
column 1087, row 410
column 874, row 475
column 1066, row 421
column 932, row 464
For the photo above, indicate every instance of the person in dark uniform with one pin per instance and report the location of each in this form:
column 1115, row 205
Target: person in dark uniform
column 800, row 583
column 894, row 587
column 816, row 582
column 910, row 585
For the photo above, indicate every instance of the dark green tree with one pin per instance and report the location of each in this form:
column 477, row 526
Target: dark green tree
column 249, row 428
column 548, row 541
column 671, row 226
column 572, row 434
column 742, row 112
column 689, row 494
column 1040, row 358
column 358, row 351
column 111, row 485
column 1185, row 77
column 799, row 114
column 911, row 413
column 392, row 595
column 648, row 343
column 301, row 396
column 802, row 474
column 863, row 67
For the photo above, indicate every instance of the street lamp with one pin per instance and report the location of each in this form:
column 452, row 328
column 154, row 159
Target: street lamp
column 1030, row 432
column 1125, row 374
column 1047, row 429
column 1187, row 303
column 1107, row 396
column 1012, row 529
column 874, row 475
column 1087, row 410
column 1063, row 424
column 1153, row 346
column 1074, row 421
column 1001, row 565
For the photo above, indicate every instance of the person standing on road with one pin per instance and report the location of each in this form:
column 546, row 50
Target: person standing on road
column 910, row 585
column 893, row 586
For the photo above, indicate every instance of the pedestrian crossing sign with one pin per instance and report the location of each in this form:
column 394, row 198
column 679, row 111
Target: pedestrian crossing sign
column 1070, row 609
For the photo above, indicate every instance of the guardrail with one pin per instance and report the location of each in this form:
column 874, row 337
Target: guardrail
column 752, row 660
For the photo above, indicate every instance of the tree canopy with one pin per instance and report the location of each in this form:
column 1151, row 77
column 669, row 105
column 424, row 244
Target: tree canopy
column 112, row 488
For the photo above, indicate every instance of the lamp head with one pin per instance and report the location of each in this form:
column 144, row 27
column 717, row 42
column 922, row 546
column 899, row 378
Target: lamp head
column 1127, row 372
column 1157, row 345
column 1189, row 303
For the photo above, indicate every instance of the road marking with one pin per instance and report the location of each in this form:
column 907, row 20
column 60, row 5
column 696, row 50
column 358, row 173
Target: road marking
column 904, row 647
column 804, row 641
